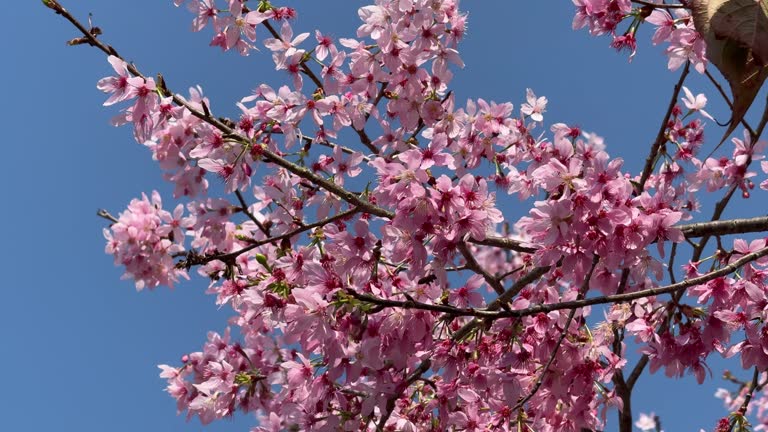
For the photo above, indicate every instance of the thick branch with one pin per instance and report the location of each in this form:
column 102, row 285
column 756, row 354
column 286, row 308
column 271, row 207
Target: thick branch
column 748, row 397
column 504, row 243
column 619, row 298
column 725, row 227
column 692, row 230
column 473, row 265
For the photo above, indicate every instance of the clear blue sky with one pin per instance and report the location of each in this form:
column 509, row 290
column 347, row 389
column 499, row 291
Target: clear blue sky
column 81, row 346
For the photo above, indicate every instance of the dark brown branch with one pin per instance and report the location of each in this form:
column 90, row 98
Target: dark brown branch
column 620, row 298
column 330, row 186
column 725, row 227
column 109, row 50
column 247, row 212
column 364, row 138
column 696, row 256
column 624, row 391
column 106, row 215
column 304, row 68
column 411, row 304
column 692, row 230
column 473, row 265
column 504, row 243
column 750, row 392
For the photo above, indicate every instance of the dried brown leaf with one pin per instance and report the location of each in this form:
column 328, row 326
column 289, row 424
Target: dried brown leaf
column 736, row 32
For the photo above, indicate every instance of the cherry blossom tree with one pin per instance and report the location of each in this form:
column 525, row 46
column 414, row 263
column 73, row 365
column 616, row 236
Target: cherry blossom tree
column 349, row 220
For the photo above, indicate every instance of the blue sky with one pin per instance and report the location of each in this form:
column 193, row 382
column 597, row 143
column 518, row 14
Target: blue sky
column 81, row 345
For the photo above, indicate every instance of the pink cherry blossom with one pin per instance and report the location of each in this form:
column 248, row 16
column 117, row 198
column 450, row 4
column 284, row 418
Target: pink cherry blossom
column 377, row 276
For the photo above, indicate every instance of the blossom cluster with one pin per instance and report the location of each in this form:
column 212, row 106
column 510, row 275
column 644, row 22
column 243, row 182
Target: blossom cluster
column 379, row 285
column 144, row 240
column 605, row 16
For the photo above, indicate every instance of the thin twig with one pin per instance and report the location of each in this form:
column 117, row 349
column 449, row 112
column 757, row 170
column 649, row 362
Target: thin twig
column 660, row 5
column 364, row 138
column 415, row 376
column 727, row 100
column 473, row 265
column 106, row 215
column 661, row 137
column 232, row 255
column 540, row 379
column 247, row 212
column 213, row 121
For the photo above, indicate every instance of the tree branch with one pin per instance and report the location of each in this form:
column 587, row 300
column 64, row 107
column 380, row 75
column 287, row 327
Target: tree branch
column 660, row 5
column 502, row 299
column 364, row 138
column 475, row 267
column 619, row 298
column 416, row 375
column 727, row 100
column 412, row 304
column 725, row 227
column 342, row 193
column 504, row 243
column 661, row 138
column 582, row 292
column 199, row 260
